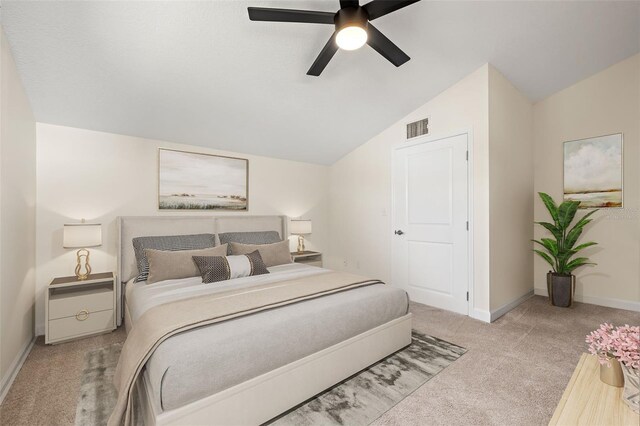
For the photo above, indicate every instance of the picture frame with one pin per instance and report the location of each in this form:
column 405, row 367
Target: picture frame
column 198, row 181
column 593, row 171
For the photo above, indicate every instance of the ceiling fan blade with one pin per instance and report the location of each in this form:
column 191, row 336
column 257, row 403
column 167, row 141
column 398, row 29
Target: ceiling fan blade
column 385, row 47
column 349, row 3
column 290, row 15
column 324, row 57
column 378, row 8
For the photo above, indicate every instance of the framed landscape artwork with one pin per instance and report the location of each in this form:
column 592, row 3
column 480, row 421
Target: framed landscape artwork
column 593, row 171
column 193, row 181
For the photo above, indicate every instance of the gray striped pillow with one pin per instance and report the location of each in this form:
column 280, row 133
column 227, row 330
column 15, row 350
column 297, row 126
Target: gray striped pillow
column 221, row 268
column 167, row 243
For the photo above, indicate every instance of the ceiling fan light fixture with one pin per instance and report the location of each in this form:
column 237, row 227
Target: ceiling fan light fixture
column 352, row 28
column 351, row 38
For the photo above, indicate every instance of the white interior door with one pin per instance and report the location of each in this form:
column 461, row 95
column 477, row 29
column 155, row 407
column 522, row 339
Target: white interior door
column 430, row 241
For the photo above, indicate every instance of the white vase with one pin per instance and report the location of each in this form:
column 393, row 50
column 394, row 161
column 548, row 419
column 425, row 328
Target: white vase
column 631, row 392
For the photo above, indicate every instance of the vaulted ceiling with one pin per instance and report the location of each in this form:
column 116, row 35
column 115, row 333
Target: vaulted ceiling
column 201, row 73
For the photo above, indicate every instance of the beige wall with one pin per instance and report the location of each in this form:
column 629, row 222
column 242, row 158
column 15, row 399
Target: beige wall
column 606, row 103
column 99, row 176
column 360, row 186
column 500, row 120
column 511, row 186
column 17, row 217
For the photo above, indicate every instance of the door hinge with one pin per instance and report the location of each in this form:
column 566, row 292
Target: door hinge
column 467, row 225
column 467, row 155
column 467, row 296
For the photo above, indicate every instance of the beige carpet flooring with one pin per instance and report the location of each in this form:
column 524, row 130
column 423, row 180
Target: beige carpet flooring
column 514, row 372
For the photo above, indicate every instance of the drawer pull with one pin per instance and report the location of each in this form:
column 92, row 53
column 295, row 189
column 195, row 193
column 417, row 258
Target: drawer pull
column 82, row 315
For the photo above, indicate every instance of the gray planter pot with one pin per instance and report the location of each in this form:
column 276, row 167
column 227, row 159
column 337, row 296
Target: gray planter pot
column 561, row 289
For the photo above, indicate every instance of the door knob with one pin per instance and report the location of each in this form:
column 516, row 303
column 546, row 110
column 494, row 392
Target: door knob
column 398, row 232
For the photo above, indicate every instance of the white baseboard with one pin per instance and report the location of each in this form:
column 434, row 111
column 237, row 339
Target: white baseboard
column 39, row 329
column 490, row 316
column 601, row 301
column 480, row 315
column 14, row 368
column 495, row 314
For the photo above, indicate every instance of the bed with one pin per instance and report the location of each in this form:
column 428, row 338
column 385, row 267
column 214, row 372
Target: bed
column 250, row 369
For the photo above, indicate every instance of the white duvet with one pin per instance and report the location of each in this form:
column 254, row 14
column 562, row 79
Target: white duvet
column 141, row 296
column 206, row 360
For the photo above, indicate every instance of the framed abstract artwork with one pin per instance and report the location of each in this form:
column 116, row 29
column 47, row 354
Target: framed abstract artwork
column 593, row 171
column 194, row 181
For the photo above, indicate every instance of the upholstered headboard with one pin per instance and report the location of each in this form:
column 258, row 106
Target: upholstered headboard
column 130, row 227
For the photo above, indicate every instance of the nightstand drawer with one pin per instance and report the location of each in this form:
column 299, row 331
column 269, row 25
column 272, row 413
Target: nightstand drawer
column 83, row 324
column 67, row 302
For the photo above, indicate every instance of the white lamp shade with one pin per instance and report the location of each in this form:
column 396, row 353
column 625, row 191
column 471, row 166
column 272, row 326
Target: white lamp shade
column 82, row 235
column 300, row 227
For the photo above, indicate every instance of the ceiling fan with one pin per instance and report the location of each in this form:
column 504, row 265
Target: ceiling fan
column 353, row 28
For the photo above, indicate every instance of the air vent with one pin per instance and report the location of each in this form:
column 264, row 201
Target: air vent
column 418, row 128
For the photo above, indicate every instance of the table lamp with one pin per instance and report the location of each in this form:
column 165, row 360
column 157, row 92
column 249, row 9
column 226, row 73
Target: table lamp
column 300, row 228
column 82, row 235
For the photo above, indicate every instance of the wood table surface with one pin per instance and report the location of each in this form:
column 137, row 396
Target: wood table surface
column 589, row 401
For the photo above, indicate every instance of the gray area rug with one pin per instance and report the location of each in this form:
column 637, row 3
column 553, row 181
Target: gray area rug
column 367, row 395
column 358, row 400
column 97, row 393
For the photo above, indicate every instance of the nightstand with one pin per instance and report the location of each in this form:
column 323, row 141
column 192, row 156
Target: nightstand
column 76, row 308
column 313, row 258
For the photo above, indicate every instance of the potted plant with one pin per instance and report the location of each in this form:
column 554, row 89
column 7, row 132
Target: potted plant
column 618, row 350
column 560, row 250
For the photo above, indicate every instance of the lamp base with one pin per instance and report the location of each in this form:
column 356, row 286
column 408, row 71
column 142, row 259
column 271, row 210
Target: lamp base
column 300, row 244
column 83, row 275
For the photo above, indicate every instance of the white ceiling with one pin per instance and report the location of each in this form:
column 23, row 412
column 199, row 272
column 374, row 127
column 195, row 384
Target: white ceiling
column 201, row 73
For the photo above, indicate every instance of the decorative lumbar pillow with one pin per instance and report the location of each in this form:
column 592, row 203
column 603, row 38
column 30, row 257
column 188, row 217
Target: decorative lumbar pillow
column 221, row 268
column 272, row 254
column 168, row 243
column 172, row 265
column 257, row 237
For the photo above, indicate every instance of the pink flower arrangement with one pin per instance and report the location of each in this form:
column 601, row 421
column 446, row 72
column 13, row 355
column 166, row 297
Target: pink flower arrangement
column 622, row 343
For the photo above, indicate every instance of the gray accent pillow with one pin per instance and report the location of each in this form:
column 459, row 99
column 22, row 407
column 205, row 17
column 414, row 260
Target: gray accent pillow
column 167, row 243
column 221, row 268
column 258, row 237
column 272, row 254
column 172, row 265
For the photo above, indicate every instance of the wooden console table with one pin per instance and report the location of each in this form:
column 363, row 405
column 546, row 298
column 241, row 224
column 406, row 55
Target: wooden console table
column 588, row 401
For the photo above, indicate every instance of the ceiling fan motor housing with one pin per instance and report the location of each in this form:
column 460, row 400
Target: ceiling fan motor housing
column 351, row 17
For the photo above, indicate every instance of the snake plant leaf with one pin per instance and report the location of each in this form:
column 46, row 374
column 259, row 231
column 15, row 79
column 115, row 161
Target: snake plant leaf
column 566, row 261
column 584, row 220
column 557, row 232
column 550, row 205
column 546, row 257
column 576, row 231
column 566, row 213
column 566, row 255
column 550, row 245
column 584, row 246
column 572, row 237
column 575, row 263
column 538, row 242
